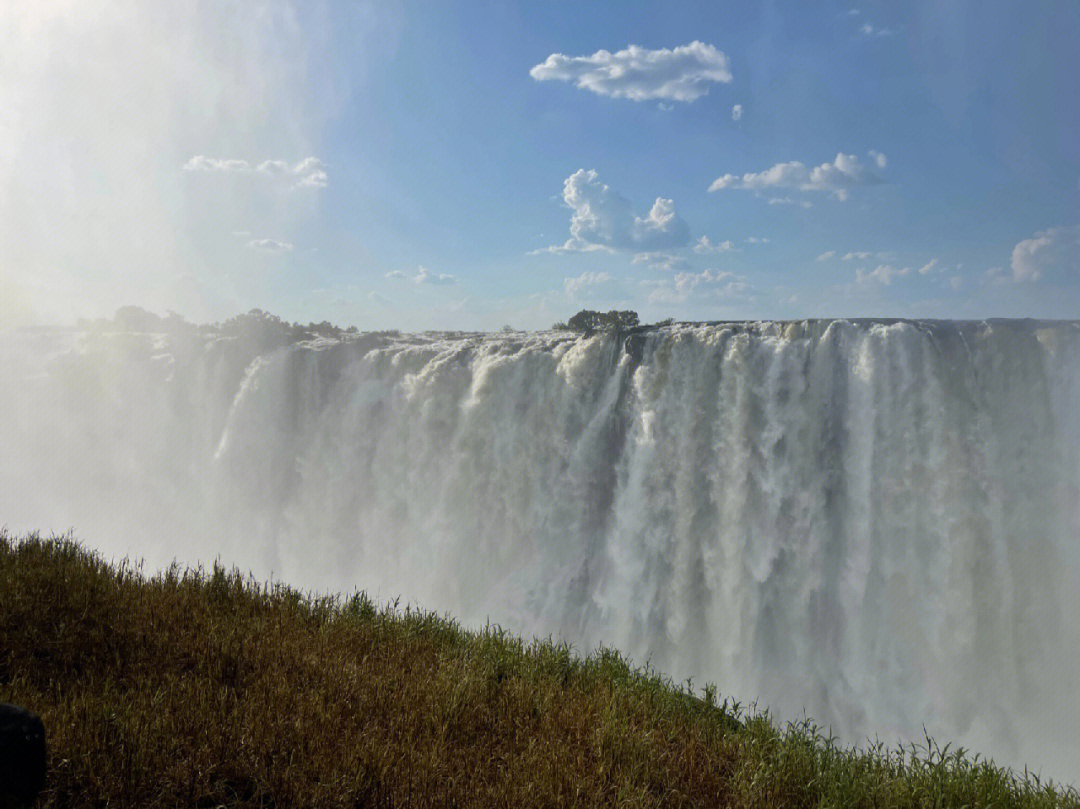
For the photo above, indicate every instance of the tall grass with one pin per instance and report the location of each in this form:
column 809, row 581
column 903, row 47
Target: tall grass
column 205, row 689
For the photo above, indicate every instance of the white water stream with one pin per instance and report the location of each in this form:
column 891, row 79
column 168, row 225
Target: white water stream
column 877, row 523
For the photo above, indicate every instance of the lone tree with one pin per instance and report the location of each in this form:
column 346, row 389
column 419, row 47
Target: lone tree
column 588, row 321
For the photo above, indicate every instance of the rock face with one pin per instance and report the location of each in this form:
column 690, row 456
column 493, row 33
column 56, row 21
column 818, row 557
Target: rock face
column 22, row 756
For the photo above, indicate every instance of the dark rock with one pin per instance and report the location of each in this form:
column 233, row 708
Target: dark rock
column 22, row 756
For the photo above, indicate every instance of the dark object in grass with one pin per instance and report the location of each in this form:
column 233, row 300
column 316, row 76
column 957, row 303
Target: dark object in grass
column 22, row 756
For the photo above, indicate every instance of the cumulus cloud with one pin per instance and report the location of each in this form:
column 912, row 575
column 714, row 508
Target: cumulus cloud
column 310, row 171
column 587, row 279
column 602, row 220
column 272, row 246
column 704, row 247
column 640, row 74
column 1056, row 249
column 423, row 276
column 736, row 112
column 882, row 274
column 837, row 177
column 704, row 284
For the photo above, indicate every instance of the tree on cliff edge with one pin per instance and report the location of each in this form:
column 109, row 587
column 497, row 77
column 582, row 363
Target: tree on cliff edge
column 588, row 321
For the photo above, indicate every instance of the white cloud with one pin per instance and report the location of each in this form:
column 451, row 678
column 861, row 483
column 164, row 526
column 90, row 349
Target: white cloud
column 587, row 279
column 736, row 112
column 1053, row 250
column 679, row 74
column 602, row 219
column 869, row 30
column 879, row 159
column 861, row 255
column 929, row 267
column 802, row 203
column 704, row 247
column 423, row 276
column 757, row 240
column 308, row 172
column 826, row 255
column 707, row 283
column 837, row 177
column 660, row 260
column 271, row 246
column 883, row 274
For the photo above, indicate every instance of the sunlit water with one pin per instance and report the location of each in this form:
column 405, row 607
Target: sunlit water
column 875, row 523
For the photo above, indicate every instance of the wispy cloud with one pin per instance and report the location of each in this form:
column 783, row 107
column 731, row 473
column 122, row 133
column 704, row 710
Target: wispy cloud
column 272, row 246
column 802, row 203
column 704, row 284
column 837, row 177
column 736, row 112
column 826, row 255
column 882, row 274
column 671, row 74
column 309, row 172
column 423, row 276
column 587, row 279
column 603, row 220
column 868, row 30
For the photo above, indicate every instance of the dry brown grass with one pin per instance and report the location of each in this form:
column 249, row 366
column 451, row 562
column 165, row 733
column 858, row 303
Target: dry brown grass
column 203, row 690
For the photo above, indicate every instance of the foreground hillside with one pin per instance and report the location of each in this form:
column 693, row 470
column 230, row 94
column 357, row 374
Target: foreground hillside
column 193, row 689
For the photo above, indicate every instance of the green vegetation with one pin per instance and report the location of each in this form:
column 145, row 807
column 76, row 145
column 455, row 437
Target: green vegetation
column 206, row 689
column 587, row 321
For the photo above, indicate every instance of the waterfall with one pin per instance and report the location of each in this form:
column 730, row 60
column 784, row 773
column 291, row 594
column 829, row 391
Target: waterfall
column 876, row 523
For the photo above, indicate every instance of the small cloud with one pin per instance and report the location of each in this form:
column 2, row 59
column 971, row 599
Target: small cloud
column 883, row 274
column 870, row 31
column 736, row 112
column 661, row 261
column 853, row 12
column 789, row 201
column 837, row 177
column 587, row 279
column 241, row 234
column 271, row 246
column 861, row 255
column 757, row 240
column 879, row 159
column 665, row 107
column 956, row 282
column 1055, row 249
column 423, row 276
column 640, row 74
column 928, row 267
column 705, row 284
column 704, row 247
column 826, row 255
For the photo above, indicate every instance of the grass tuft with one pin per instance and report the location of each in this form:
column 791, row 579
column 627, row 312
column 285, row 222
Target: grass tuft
column 204, row 688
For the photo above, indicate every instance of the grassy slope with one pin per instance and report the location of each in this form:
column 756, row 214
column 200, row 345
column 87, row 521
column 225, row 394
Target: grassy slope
column 206, row 690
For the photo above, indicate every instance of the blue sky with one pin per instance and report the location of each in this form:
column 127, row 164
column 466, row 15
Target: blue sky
column 469, row 165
